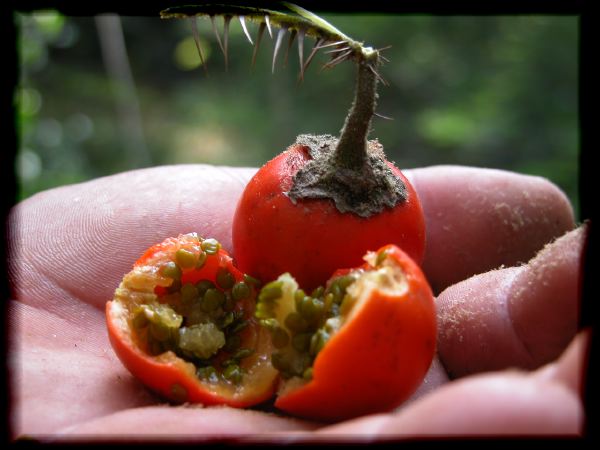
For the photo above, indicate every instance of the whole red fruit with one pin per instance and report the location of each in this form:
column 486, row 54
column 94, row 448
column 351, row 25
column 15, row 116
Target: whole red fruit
column 310, row 238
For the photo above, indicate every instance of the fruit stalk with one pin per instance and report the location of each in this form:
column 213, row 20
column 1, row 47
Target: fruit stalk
column 351, row 151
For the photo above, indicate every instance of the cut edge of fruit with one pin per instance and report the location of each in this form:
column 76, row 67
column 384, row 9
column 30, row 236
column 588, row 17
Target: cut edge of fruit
column 381, row 274
column 386, row 276
column 137, row 289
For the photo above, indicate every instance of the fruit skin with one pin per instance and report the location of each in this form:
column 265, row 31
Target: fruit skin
column 172, row 377
column 377, row 359
column 311, row 239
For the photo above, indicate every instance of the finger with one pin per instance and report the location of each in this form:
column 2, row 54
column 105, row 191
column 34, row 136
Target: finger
column 82, row 239
column 182, row 423
column 522, row 316
column 480, row 219
column 500, row 403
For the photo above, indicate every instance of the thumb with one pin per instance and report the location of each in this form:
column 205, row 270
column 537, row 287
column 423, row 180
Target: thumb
column 516, row 317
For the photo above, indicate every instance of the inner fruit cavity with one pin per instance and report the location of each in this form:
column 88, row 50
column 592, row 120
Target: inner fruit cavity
column 302, row 323
column 199, row 319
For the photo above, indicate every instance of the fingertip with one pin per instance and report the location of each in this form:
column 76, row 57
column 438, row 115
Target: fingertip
column 474, row 333
column 522, row 316
column 480, row 219
column 543, row 303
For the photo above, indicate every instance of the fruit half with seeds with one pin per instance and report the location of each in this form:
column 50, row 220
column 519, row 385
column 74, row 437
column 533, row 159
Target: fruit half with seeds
column 360, row 345
column 182, row 321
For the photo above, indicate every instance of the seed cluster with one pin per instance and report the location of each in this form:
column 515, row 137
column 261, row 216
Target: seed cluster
column 200, row 322
column 302, row 333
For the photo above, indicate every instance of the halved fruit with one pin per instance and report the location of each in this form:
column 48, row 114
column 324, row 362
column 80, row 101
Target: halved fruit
column 182, row 321
column 190, row 326
column 361, row 345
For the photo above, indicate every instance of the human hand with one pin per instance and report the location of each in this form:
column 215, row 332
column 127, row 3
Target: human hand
column 71, row 246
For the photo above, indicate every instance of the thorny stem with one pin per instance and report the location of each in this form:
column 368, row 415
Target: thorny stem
column 351, row 150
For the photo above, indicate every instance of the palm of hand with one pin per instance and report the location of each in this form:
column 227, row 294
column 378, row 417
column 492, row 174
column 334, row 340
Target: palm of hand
column 71, row 246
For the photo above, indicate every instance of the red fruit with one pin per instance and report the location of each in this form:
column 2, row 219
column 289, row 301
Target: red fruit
column 311, row 238
column 362, row 345
column 190, row 326
column 182, row 321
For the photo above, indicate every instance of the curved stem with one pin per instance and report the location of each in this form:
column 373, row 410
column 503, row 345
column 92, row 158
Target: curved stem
column 351, row 151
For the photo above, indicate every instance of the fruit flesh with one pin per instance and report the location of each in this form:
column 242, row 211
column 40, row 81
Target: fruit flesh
column 301, row 324
column 182, row 321
column 379, row 345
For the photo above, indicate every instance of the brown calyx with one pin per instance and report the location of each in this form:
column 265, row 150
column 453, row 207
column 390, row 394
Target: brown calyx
column 351, row 170
column 364, row 191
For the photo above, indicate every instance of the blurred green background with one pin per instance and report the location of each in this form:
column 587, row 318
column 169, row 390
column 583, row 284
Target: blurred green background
column 100, row 95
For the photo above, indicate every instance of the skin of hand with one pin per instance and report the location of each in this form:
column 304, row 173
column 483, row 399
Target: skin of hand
column 510, row 357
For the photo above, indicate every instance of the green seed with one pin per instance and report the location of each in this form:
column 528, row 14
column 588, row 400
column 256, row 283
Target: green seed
column 264, row 311
column 311, row 308
column 318, row 292
column 225, row 278
column 263, row 314
column 240, row 291
column 201, row 259
column 301, row 342
column 298, row 297
column 233, row 373
column 227, row 320
column 159, row 331
column 208, row 373
column 242, row 353
column 185, row 258
column 229, row 301
column 318, row 341
column 239, row 326
column 271, row 291
column 327, row 302
column 279, row 337
column 189, row 293
column 295, row 322
column 139, row 319
column 338, row 293
column 269, row 324
column 308, row 374
column 203, row 286
column 213, row 298
column 211, row 246
column 171, row 270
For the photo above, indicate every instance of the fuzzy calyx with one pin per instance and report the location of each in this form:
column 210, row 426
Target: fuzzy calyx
column 364, row 191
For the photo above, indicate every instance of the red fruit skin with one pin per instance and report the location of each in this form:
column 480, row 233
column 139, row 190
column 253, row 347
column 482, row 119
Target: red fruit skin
column 378, row 358
column 311, row 239
column 165, row 372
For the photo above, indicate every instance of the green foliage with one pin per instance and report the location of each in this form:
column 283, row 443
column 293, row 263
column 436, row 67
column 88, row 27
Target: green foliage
column 493, row 91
